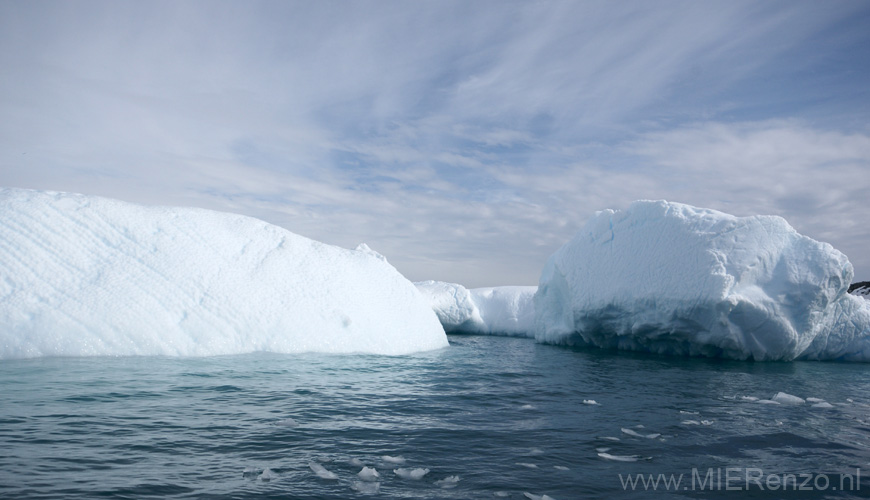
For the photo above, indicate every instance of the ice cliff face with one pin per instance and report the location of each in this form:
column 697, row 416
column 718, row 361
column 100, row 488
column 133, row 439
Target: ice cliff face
column 82, row 275
column 503, row 310
column 670, row 278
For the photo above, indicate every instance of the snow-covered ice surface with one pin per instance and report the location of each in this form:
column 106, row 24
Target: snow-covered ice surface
column 86, row 276
column 503, row 310
column 670, row 278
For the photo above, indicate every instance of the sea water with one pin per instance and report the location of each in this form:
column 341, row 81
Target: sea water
column 488, row 417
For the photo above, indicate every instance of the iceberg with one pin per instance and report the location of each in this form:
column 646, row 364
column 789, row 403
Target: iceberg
column 502, row 310
column 89, row 276
column 675, row 279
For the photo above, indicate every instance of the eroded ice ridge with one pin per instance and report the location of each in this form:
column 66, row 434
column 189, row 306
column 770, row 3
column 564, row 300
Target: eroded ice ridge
column 83, row 276
column 670, row 278
column 503, row 310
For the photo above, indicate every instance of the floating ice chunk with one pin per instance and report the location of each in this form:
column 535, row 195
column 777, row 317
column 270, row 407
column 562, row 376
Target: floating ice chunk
column 815, row 400
column 767, row 402
column 267, row 475
column 448, row 482
column 527, row 465
column 620, row 458
column 504, row 310
column 787, row 399
column 393, row 460
column 250, row 471
column 368, row 474
column 637, row 434
column 287, row 422
column 674, row 279
column 823, row 404
column 356, row 462
column 690, row 422
column 560, row 467
column 527, row 407
column 415, row 474
column 368, row 488
column 99, row 277
column 321, row 471
column 589, row 402
column 532, row 496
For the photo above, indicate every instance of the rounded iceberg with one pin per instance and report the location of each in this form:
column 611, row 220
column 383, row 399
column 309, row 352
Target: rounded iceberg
column 85, row 276
column 675, row 279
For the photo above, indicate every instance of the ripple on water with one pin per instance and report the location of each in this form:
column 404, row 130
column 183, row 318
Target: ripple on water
column 488, row 416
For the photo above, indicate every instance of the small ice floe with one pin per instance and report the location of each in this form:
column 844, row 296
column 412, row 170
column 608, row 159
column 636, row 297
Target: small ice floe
column 823, row 404
column 321, row 471
column 849, row 400
column 815, row 400
column 602, row 450
column 560, row 467
column 590, row 402
column 448, row 482
column 706, row 422
column 687, row 412
column 267, row 475
column 287, row 422
column 411, row 473
column 364, row 487
column 356, row 462
column 527, row 407
column 622, row 458
column 368, row 474
column 250, row 471
column 787, row 399
column 393, row 460
column 690, row 422
column 748, row 398
column 609, row 438
column 532, row 496
column 637, row 434
column 767, row 401
column 527, row 465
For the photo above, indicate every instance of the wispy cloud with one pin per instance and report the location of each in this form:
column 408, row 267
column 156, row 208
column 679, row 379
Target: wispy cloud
column 465, row 141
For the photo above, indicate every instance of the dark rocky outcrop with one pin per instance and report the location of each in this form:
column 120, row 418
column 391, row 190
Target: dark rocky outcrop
column 860, row 288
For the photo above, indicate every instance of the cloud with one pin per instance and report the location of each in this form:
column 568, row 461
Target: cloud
column 466, row 141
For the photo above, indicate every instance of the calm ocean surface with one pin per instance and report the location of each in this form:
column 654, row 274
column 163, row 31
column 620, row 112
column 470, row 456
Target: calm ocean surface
column 504, row 416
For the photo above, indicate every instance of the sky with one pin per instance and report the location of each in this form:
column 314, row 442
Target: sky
column 464, row 140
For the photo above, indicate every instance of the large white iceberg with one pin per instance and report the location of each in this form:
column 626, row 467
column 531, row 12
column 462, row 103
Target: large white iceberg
column 82, row 275
column 502, row 310
column 670, row 278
